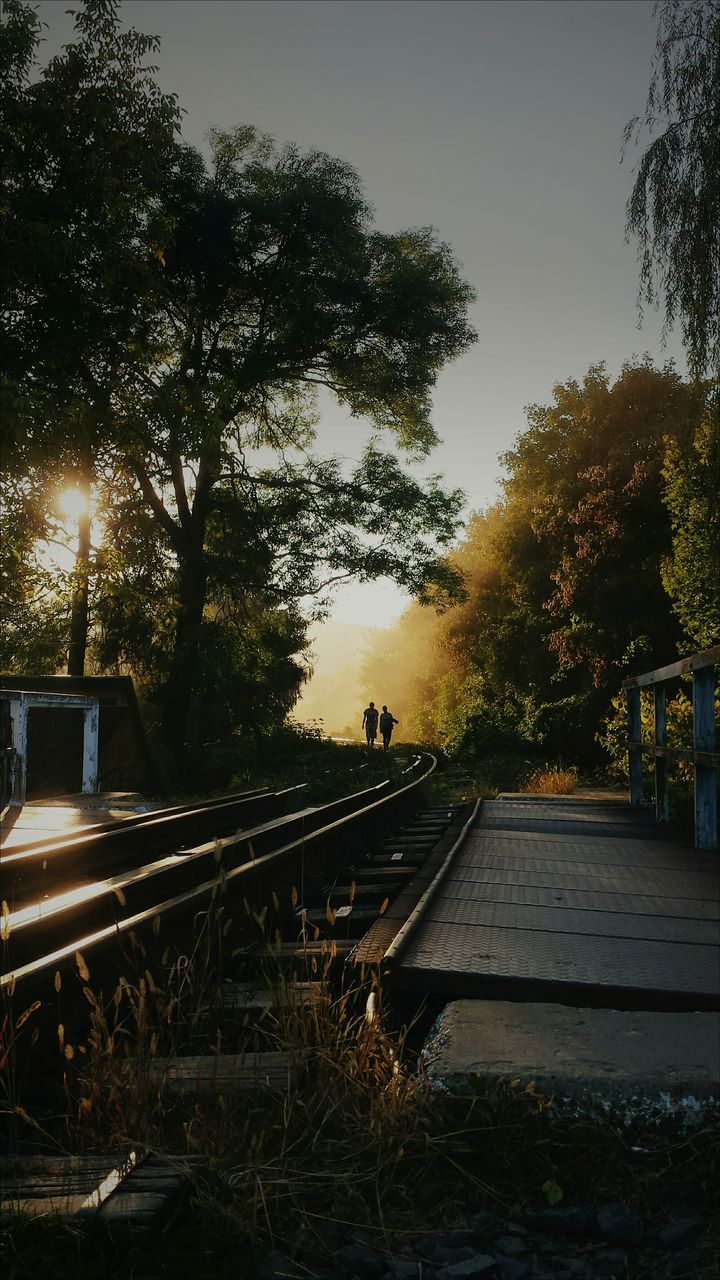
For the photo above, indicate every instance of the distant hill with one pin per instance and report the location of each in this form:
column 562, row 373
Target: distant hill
column 334, row 694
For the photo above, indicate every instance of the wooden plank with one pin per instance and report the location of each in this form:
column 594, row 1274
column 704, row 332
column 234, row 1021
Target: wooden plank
column 245, row 997
column 147, row 1197
column 66, row 1185
column 394, row 871
column 316, row 950
column 706, row 815
column 682, row 668
column 634, row 754
column 232, row 1072
column 364, row 890
column 708, row 759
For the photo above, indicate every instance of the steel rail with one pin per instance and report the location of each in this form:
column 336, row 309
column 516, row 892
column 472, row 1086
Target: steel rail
column 92, row 831
column 47, row 868
column 409, row 928
column 260, row 852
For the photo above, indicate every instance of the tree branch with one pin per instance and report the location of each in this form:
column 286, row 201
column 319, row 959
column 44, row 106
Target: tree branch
column 178, row 480
column 156, row 504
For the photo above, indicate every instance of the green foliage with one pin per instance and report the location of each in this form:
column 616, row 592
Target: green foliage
column 33, row 613
column 586, row 478
column 84, row 145
column 88, row 139
column 563, row 579
column 673, row 206
column 172, row 321
column 280, row 755
column 614, row 731
column 691, row 572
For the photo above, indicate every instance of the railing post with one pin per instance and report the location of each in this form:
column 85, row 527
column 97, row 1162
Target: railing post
column 706, row 817
column 662, row 807
column 634, row 752
column 19, row 716
column 90, row 750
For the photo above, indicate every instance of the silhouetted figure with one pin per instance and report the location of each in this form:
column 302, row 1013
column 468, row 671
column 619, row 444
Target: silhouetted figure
column 387, row 721
column 370, row 723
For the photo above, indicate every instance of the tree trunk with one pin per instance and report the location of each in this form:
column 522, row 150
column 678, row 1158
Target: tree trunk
column 79, row 616
column 183, row 666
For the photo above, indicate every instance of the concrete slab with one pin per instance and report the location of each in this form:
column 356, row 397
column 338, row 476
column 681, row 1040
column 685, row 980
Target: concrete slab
column 646, row 1066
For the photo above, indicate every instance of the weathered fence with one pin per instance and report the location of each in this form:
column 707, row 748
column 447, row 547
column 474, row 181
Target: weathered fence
column 704, row 757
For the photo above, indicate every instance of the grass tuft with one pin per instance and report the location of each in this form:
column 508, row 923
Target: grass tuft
column 551, row 782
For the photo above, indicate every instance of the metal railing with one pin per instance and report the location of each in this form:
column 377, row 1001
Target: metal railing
column 704, row 757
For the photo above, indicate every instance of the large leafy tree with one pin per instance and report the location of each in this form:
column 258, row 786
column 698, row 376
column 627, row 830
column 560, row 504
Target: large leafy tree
column 588, row 475
column 276, row 284
column 565, row 576
column 176, row 346
column 673, row 207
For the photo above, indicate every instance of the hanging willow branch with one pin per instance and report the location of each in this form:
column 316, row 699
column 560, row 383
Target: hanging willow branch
column 673, row 208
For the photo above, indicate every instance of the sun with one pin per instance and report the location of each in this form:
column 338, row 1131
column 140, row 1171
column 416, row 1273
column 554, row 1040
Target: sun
column 73, row 503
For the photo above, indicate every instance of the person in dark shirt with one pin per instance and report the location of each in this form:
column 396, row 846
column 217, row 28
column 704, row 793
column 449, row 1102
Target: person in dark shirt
column 370, row 723
column 387, row 721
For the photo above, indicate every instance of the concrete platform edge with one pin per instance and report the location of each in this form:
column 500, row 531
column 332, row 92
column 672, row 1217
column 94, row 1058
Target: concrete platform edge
column 640, row 1068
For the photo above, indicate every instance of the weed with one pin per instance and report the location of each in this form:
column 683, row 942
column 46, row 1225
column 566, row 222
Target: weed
column 551, row 782
column 345, row 1144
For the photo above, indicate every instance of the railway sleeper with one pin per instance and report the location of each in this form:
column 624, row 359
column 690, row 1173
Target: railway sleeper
column 363, row 893
column 255, row 1016
column 133, row 1197
column 313, row 954
column 255, row 997
column 404, row 857
column 424, row 832
column 390, row 872
column 350, row 918
column 229, row 1073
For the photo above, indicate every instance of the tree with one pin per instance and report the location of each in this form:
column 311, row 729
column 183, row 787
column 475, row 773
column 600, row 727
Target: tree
column 588, row 475
column 202, row 318
column 564, row 576
column 85, row 147
column 275, row 284
column 691, row 570
column 673, row 208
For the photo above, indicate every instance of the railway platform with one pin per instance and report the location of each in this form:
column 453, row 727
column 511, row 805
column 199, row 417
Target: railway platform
column 577, row 900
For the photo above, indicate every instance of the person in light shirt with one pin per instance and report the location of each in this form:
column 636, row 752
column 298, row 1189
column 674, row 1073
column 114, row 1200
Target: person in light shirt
column 370, row 723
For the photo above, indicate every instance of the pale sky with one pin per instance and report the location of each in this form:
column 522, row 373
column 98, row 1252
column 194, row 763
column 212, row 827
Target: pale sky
column 500, row 124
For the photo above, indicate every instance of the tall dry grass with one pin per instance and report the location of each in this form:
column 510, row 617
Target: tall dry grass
column 354, row 1142
column 551, row 782
column 338, row 1149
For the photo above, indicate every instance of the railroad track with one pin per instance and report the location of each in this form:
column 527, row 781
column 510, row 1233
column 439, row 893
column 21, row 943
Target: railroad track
column 331, row 869
column 341, row 879
column 40, row 868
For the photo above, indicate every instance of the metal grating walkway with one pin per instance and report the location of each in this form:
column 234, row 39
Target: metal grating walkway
column 573, row 901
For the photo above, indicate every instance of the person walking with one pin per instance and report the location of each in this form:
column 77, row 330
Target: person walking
column 387, row 720
column 370, row 723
